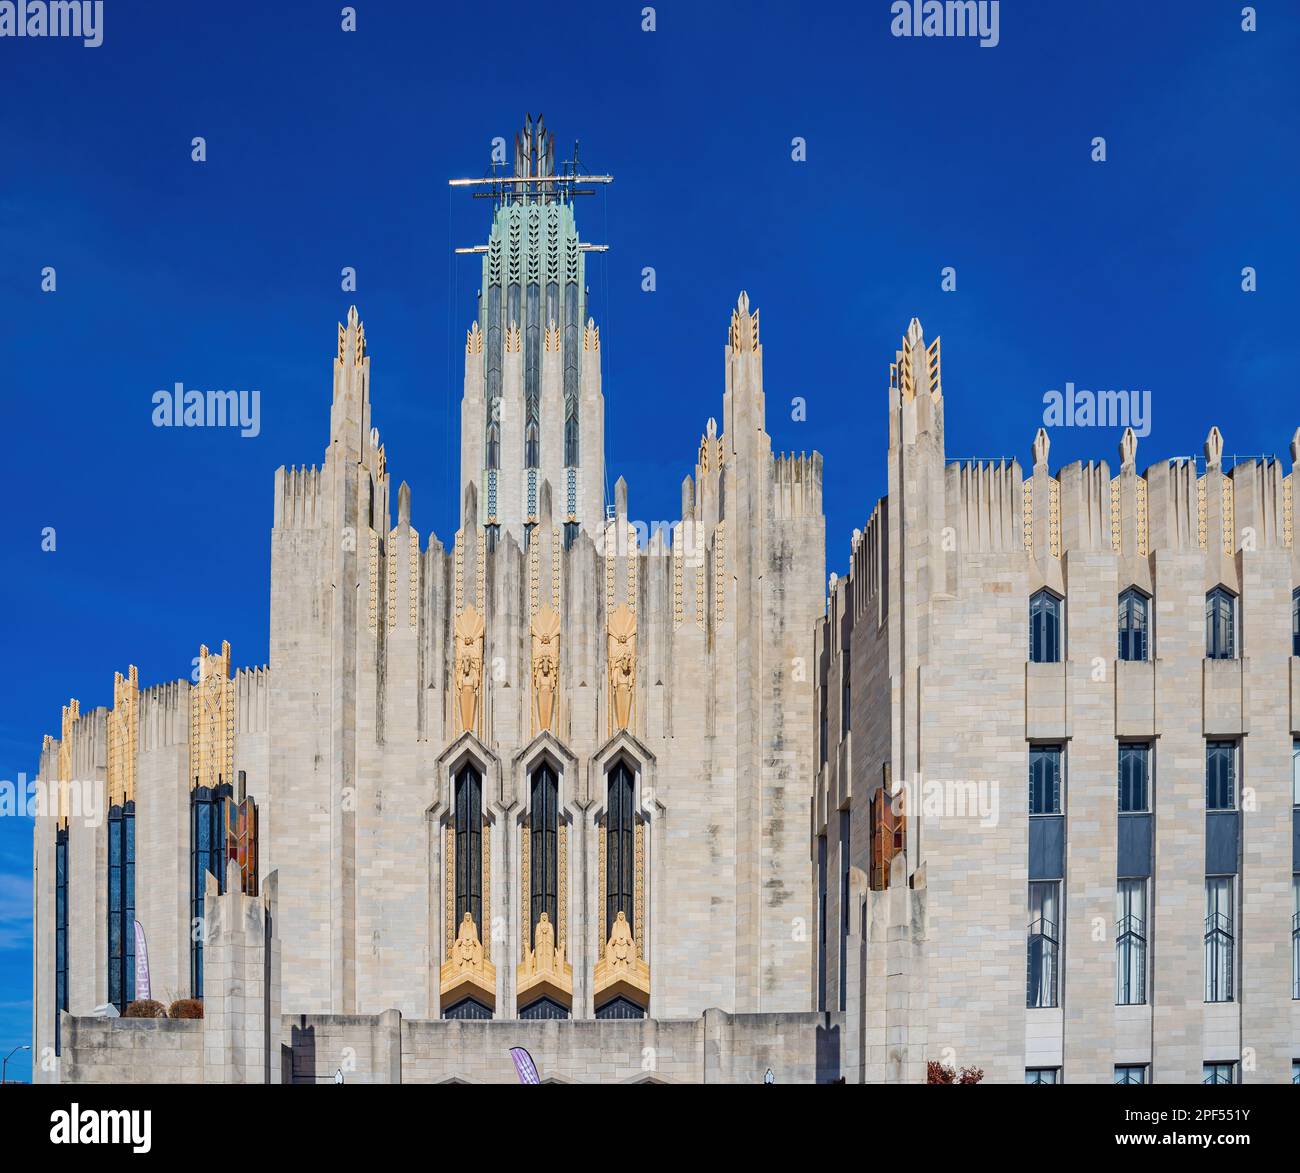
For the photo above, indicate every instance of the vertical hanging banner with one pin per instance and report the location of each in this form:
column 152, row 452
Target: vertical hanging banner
column 524, row 1065
column 141, row 965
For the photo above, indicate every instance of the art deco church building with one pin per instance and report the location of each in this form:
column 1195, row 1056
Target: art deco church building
column 555, row 769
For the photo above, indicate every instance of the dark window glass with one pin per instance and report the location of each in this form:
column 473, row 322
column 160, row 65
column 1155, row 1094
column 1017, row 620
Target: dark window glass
column 570, row 534
column 1220, row 775
column 821, row 922
column 1134, row 775
column 1220, row 625
column 121, row 905
column 1044, row 779
column 60, row 930
column 1220, row 1073
column 469, row 847
column 207, row 855
column 543, row 858
column 1295, row 622
column 1045, row 628
column 620, row 849
column 1134, row 616
column 846, row 689
column 823, row 726
column 845, row 857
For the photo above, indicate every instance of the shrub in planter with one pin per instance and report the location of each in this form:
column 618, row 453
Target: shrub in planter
column 186, row 1008
column 147, row 1008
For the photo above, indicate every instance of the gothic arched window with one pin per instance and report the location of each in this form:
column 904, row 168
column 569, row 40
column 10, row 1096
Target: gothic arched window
column 1220, row 624
column 1134, row 617
column 121, row 905
column 543, row 826
column 620, row 848
column 469, row 846
column 1045, row 628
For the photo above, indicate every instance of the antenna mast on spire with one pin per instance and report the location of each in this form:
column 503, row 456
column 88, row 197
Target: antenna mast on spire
column 534, row 178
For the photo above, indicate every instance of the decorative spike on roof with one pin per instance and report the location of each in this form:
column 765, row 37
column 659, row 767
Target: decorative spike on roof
column 743, row 335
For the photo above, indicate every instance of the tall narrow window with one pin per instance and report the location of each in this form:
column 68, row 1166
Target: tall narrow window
column 1134, row 615
column 1131, row 943
column 1295, row 936
column 1045, row 628
column 1295, row 622
column 821, row 922
column 1220, row 775
column 544, row 822
column 846, row 689
column 60, row 930
column 620, row 849
column 469, row 847
column 207, row 855
column 1219, row 938
column 845, row 848
column 1044, row 779
column 1134, row 777
column 121, row 905
column 1295, row 772
column 1044, row 942
column 1220, row 625
column 823, row 726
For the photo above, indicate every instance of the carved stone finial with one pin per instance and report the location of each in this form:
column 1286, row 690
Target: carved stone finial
column 403, row 504
column 1042, row 447
column 1295, row 447
column 1214, row 449
column 743, row 334
column 914, row 332
column 1128, row 446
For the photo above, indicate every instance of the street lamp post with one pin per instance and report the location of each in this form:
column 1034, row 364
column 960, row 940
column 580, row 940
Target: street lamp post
column 4, row 1067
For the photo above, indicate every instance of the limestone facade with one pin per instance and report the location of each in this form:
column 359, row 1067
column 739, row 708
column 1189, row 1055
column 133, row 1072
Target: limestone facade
column 552, row 635
column 927, row 688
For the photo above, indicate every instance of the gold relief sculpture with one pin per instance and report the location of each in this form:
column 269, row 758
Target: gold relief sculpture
column 373, row 614
column 468, row 972
column 1054, row 517
column 1115, row 533
column 487, row 883
column 544, row 971
column 620, row 971
column 212, row 721
column 638, row 886
column 391, row 559
column 449, row 888
column 123, row 727
column 1288, row 509
column 1029, row 515
column 468, row 667
column 1144, row 533
column 546, row 668
column 1229, row 515
column 622, row 668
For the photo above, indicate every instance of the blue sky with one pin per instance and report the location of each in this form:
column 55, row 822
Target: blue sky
column 328, row 149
